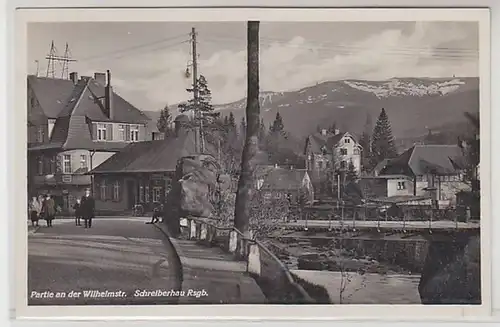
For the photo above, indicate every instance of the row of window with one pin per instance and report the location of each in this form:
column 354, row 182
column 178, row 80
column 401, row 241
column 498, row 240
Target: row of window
column 444, row 178
column 144, row 193
column 125, row 132
column 326, row 164
column 109, row 192
column 44, row 169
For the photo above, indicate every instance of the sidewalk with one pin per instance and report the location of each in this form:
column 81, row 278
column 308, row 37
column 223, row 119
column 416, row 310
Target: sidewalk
column 213, row 270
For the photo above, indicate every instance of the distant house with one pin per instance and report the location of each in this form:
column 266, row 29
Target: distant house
column 434, row 170
column 75, row 125
column 277, row 182
column 330, row 153
column 142, row 173
column 386, row 186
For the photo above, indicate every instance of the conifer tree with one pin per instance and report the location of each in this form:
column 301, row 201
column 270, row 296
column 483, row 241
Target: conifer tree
column 277, row 125
column 351, row 174
column 262, row 133
column 165, row 120
column 382, row 144
column 204, row 104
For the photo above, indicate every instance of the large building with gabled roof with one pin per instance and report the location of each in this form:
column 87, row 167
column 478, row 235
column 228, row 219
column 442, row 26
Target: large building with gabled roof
column 74, row 125
column 143, row 172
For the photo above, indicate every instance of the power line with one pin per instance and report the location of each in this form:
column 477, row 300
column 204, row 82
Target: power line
column 135, row 47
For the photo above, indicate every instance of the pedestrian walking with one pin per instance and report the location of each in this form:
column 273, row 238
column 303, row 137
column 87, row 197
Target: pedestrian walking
column 87, row 207
column 49, row 210
column 78, row 212
column 35, row 209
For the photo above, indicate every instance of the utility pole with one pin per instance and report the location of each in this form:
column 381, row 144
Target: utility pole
column 197, row 112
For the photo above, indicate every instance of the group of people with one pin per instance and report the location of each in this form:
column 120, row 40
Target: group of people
column 44, row 207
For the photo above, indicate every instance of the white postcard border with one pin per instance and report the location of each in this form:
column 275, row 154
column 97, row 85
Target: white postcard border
column 270, row 312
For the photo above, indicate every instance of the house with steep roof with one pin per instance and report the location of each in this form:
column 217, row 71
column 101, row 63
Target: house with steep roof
column 278, row 182
column 433, row 170
column 73, row 126
column 142, row 172
column 328, row 154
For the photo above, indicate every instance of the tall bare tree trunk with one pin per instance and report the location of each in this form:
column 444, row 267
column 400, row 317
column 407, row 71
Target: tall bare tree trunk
column 245, row 183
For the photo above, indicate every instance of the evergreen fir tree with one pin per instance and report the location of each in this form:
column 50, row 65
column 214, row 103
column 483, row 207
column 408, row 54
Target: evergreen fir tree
column 226, row 121
column 277, row 126
column 165, row 120
column 262, row 133
column 382, row 144
column 204, row 106
column 231, row 121
column 243, row 128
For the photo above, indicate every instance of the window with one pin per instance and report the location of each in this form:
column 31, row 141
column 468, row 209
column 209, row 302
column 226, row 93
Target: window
column 101, row 132
column 134, row 133
column 323, row 150
column 343, row 164
column 320, row 164
column 343, row 152
column 67, row 164
column 121, row 132
column 156, row 194
column 356, row 151
column 83, row 161
column 347, row 140
column 401, row 185
column 40, row 166
column 141, row 194
column 116, row 191
column 103, row 190
column 146, row 194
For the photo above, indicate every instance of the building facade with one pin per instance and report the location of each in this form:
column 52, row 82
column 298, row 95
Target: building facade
column 74, row 126
column 142, row 173
column 434, row 170
column 329, row 154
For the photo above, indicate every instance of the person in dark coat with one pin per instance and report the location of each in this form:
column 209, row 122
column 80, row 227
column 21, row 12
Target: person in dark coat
column 87, row 208
column 78, row 212
column 49, row 210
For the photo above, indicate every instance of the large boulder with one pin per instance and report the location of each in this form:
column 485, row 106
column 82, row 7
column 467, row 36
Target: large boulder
column 452, row 273
column 196, row 188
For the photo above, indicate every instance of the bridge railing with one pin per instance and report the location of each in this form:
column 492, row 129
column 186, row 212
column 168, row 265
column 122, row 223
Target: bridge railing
column 273, row 275
column 406, row 215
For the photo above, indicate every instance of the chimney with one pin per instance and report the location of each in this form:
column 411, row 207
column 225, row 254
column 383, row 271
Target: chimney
column 337, row 131
column 100, row 78
column 323, row 132
column 73, row 77
column 108, row 96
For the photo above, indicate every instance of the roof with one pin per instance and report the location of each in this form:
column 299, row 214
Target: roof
column 424, row 159
column 381, row 165
column 58, row 97
column 82, row 105
column 153, row 156
column 284, row 179
column 182, row 118
column 317, row 141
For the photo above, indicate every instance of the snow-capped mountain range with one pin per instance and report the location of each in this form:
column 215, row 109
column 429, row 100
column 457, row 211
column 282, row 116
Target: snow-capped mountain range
column 413, row 104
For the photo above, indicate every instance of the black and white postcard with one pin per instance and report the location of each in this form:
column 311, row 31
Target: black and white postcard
column 219, row 157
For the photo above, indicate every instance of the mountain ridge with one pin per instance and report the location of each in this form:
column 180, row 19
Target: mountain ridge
column 414, row 105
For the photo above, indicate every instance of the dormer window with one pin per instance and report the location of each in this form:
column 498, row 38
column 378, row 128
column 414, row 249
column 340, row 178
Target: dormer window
column 101, row 132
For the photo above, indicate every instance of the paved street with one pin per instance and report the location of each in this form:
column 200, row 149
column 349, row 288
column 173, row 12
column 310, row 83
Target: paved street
column 122, row 256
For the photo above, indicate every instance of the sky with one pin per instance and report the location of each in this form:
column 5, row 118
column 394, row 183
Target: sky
column 148, row 60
